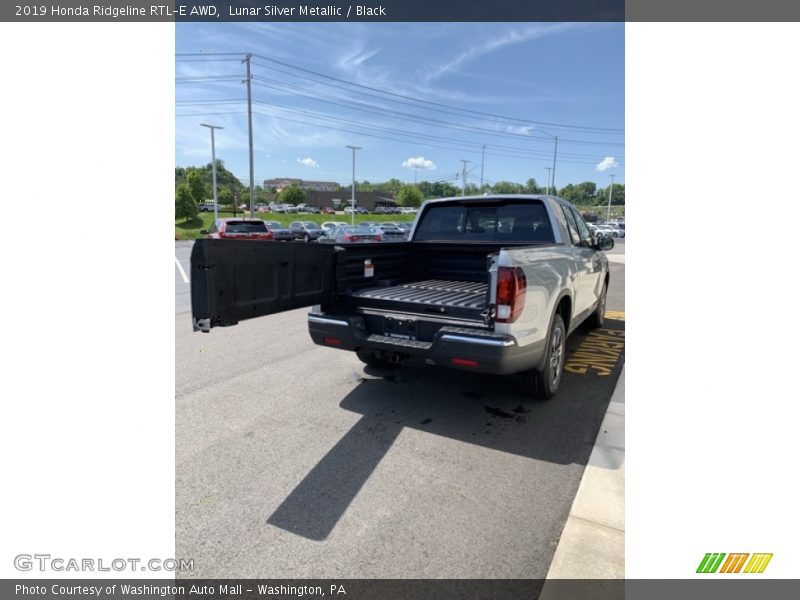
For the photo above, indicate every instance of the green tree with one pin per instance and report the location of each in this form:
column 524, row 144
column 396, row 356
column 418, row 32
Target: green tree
column 292, row 195
column 224, row 196
column 197, row 187
column 507, row 187
column 185, row 206
column 617, row 196
column 409, row 195
column 531, row 187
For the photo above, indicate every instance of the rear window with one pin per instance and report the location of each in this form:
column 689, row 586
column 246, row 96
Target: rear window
column 245, row 227
column 523, row 222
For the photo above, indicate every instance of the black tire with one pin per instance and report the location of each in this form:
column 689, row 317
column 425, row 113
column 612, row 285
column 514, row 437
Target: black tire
column 369, row 358
column 597, row 318
column 543, row 385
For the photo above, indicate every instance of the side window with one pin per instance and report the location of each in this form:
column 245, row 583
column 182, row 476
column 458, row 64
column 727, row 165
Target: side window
column 583, row 229
column 571, row 225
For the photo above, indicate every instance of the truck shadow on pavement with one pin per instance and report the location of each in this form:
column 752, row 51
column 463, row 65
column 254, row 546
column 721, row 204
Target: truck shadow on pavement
column 489, row 411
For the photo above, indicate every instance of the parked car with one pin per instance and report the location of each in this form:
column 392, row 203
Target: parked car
column 205, row 207
column 611, row 230
column 359, row 210
column 405, row 226
column 262, row 207
column 307, row 231
column 238, row 229
column 461, row 294
column 328, row 226
column 353, row 233
column 391, row 232
column 280, row 233
column 327, row 210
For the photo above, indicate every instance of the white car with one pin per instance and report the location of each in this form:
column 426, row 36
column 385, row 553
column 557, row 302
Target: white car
column 611, row 230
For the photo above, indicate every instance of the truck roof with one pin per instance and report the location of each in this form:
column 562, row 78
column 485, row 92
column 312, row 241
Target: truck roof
column 484, row 198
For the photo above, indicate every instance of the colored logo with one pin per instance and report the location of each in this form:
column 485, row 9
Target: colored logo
column 734, row 563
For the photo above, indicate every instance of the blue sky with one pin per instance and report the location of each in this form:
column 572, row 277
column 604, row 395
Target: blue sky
column 509, row 86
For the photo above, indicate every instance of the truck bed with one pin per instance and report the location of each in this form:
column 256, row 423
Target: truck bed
column 435, row 292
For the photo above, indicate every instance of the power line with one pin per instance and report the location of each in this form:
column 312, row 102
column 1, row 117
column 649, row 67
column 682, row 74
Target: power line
column 530, row 153
column 438, row 105
column 441, row 105
column 391, row 139
column 350, row 104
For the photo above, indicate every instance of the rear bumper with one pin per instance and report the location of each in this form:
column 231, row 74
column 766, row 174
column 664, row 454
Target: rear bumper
column 452, row 347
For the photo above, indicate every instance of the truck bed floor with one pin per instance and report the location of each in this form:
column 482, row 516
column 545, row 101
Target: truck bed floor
column 435, row 292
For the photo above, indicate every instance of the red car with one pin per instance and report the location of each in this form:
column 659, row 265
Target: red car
column 238, row 229
column 327, row 210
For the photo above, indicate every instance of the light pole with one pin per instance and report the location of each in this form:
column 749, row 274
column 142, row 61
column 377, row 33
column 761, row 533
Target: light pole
column 213, row 168
column 353, row 188
column 548, row 179
column 464, row 176
column 555, row 154
column 610, row 190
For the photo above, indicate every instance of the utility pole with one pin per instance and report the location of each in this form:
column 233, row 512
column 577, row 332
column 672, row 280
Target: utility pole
column 353, row 188
column 464, row 176
column 246, row 59
column 415, row 175
column 610, row 190
column 555, row 155
column 549, row 170
column 483, row 156
column 213, row 168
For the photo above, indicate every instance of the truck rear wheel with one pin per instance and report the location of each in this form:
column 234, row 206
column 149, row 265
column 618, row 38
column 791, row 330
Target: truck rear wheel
column 597, row 318
column 543, row 384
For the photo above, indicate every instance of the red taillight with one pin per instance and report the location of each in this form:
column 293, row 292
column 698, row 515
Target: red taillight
column 332, row 341
column 511, row 285
column 465, row 362
column 348, row 238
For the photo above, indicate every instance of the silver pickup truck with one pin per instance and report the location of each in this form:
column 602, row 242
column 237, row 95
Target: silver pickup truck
column 492, row 284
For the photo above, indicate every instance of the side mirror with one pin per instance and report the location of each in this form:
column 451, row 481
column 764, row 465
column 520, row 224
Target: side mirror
column 204, row 231
column 604, row 242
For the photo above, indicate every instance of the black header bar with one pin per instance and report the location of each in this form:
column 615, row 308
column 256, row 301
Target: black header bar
column 399, row 10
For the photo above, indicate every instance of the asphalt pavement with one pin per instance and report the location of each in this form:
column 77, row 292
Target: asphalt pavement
column 296, row 461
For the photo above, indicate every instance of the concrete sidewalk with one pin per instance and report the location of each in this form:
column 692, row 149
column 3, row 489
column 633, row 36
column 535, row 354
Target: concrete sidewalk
column 592, row 545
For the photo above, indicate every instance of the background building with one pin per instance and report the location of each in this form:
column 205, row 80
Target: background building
column 310, row 185
column 369, row 200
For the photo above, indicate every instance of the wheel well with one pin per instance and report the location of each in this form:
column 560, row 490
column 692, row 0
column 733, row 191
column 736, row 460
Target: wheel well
column 564, row 309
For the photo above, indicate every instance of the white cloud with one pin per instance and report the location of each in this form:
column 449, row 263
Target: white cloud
column 482, row 47
column 521, row 129
column 609, row 162
column 308, row 162
column 420, row 162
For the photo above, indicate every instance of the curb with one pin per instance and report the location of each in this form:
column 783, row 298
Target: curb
column 592, row 544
